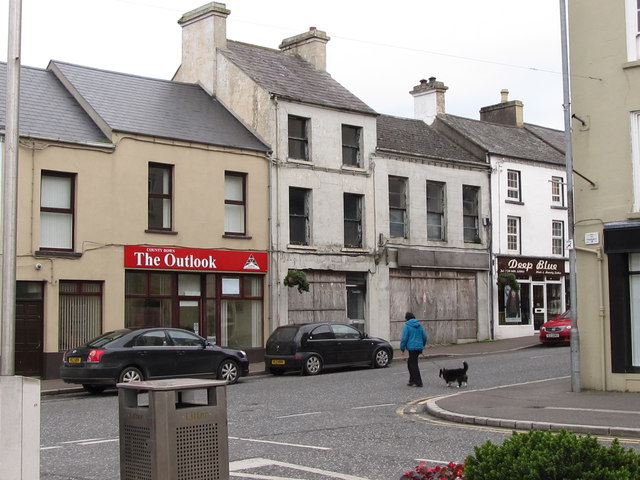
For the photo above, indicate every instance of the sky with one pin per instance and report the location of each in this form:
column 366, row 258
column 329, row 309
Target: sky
column 379, row 50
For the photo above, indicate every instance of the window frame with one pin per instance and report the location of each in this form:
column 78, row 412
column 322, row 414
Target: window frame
column 514, row 186
column 632, row 20
column 471, row 211
column 514, row 234
column 230, row 203
column 163, row 197
column 301, row 141
column 355, row 149
column 69, row 211
column 70, row 339
column 356, row 222
column 398, row 203
column 557, row 191
column 304, row 215
column 557, row 241
column 442, row 201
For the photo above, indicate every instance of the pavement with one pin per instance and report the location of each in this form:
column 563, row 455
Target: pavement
column 538, row 405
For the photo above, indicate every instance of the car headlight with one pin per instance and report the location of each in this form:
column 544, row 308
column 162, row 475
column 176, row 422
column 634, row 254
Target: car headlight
column 242, row 353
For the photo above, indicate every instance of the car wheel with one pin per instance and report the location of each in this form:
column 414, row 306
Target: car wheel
column 228, row 371
column 276, row 371
column 93, row 389
column 131, row 374
column 380, row 358
column 312, row 365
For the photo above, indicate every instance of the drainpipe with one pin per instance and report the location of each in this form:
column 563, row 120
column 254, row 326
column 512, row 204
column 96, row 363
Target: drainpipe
column 601, row 314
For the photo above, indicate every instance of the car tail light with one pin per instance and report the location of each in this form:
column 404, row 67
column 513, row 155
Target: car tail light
column 95, row 355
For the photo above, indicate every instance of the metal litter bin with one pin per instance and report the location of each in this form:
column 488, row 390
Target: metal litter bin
column 173, row 430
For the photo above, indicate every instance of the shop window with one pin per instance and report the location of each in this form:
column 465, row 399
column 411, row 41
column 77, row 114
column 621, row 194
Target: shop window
column 148, row 299
column 352, row 220
column 234, row 203
column 241, row 317
column 470, row 214
column 398, row 207
column 435, row 211
column 160, row 197
column 351, row 145
column 299, row 199
column 79, row 313
column 57, row 211
column 298, row 138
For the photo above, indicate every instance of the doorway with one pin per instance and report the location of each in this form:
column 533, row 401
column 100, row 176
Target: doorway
column 29, row 335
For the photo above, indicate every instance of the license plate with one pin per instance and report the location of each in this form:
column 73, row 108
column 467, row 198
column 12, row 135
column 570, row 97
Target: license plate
column 553, row 335
column 277, row 362
column 74, row 360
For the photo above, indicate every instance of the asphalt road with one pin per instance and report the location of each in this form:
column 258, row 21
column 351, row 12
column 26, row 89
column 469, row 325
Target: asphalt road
column 353, row 424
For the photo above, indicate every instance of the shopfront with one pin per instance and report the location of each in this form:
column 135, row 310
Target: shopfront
column 217, row 294
column 540, row 293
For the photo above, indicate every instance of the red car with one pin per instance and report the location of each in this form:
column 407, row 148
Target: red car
column 556, row 330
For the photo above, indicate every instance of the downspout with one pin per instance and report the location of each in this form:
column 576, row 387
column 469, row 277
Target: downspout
column 274, row 287
column 601, row 313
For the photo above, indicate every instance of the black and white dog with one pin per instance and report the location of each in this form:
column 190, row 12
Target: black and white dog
column 451, row 375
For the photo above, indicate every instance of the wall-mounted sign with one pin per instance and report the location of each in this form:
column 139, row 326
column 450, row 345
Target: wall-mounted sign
column 531, row 265
column 591, row 238
column 172, row 258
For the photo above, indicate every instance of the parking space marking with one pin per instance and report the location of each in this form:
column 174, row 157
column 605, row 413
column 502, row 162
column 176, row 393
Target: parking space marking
column 235, row 467
column 270, row 442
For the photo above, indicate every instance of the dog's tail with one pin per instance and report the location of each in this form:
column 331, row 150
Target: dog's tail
column 466, row 367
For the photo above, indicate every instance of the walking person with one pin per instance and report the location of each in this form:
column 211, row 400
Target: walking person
column 414, row 338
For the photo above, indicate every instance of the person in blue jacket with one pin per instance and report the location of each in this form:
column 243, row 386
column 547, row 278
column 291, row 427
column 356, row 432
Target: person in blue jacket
column 414, row 338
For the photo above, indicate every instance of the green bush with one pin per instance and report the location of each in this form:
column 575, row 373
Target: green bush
column 541, row 455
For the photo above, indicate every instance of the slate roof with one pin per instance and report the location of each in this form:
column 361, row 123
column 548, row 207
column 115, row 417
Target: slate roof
column 47, row 110
column 158, row 108
column 509, row 141
column 415, row 137
column 291, row 77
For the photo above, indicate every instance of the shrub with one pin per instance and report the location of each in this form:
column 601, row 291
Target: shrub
column 541, row 455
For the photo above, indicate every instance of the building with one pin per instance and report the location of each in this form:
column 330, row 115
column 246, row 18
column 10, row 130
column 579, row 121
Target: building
column 321, row 170
column 141, row 202
column 605, row 103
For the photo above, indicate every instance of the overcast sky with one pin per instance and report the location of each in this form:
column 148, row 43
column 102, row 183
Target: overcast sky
column 378, row 49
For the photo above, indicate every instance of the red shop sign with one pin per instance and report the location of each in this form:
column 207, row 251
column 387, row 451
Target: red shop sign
column 194, row 259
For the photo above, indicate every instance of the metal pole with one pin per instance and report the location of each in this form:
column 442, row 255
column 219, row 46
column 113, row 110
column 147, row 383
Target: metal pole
column 575, row 336
column 10, row 191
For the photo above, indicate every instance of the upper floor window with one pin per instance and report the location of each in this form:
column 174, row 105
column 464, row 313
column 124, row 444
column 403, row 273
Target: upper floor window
column 398, row 207
column 557, row 237
column 234, row 203
column 352, row 220
column 299, row 199
column 513, row 234
column 298, row 138
column 513, row 186
column 57, row 207
column 470, row 214
column 435, row 210
column 632, row 8
column 557, row 191
column 351, row 145
column 160, row 196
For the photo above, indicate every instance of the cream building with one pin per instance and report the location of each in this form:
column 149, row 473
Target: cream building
column 605, row 103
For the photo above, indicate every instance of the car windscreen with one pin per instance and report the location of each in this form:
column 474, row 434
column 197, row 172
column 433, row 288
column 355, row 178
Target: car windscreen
column 102, row 340
column 284, row 334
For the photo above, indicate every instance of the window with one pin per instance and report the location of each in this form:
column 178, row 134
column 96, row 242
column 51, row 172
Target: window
column 634, row 306
column 160, row 197
column 356, row 296
column 513, row 234
column 435, row 210
column 299, row 216
column 470, row 213
column 352, row 220
column 298, row 138
column 56, row 210
column 351, row 145
column 632, row 8
column 397, row 207
column 557, row 238
column 635, row 158
column 234, row 203
column 557, row 191
column 80, row 313
column 513, row 185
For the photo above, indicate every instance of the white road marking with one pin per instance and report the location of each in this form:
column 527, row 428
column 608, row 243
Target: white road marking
column 427, row 460
column 602, row 410
column 279, row 443
column 374, row 406
column 263, row 462
column 83, row 440
column 50, row 448
column 100, row 441
column 300, row 414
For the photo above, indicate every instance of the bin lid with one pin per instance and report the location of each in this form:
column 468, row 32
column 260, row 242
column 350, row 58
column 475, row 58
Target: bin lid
column 172, row 384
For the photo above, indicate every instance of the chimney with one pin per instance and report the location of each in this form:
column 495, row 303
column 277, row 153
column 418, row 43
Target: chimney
column 311, row 46
column 506, row 112
column 428, row 100
column 204, row 30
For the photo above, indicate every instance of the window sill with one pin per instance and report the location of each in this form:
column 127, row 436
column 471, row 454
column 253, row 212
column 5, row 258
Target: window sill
column 352, row 168
column 57, row 254
column 514, row 202
column 299, row 161
column 354, row 250
column 302, row 247
column 162, row 232
column 559, row 207
column 237, row 237
column 633, row 64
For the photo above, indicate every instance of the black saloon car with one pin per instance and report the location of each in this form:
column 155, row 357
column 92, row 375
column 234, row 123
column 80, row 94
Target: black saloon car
column 128, row 355
column 312, row 347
